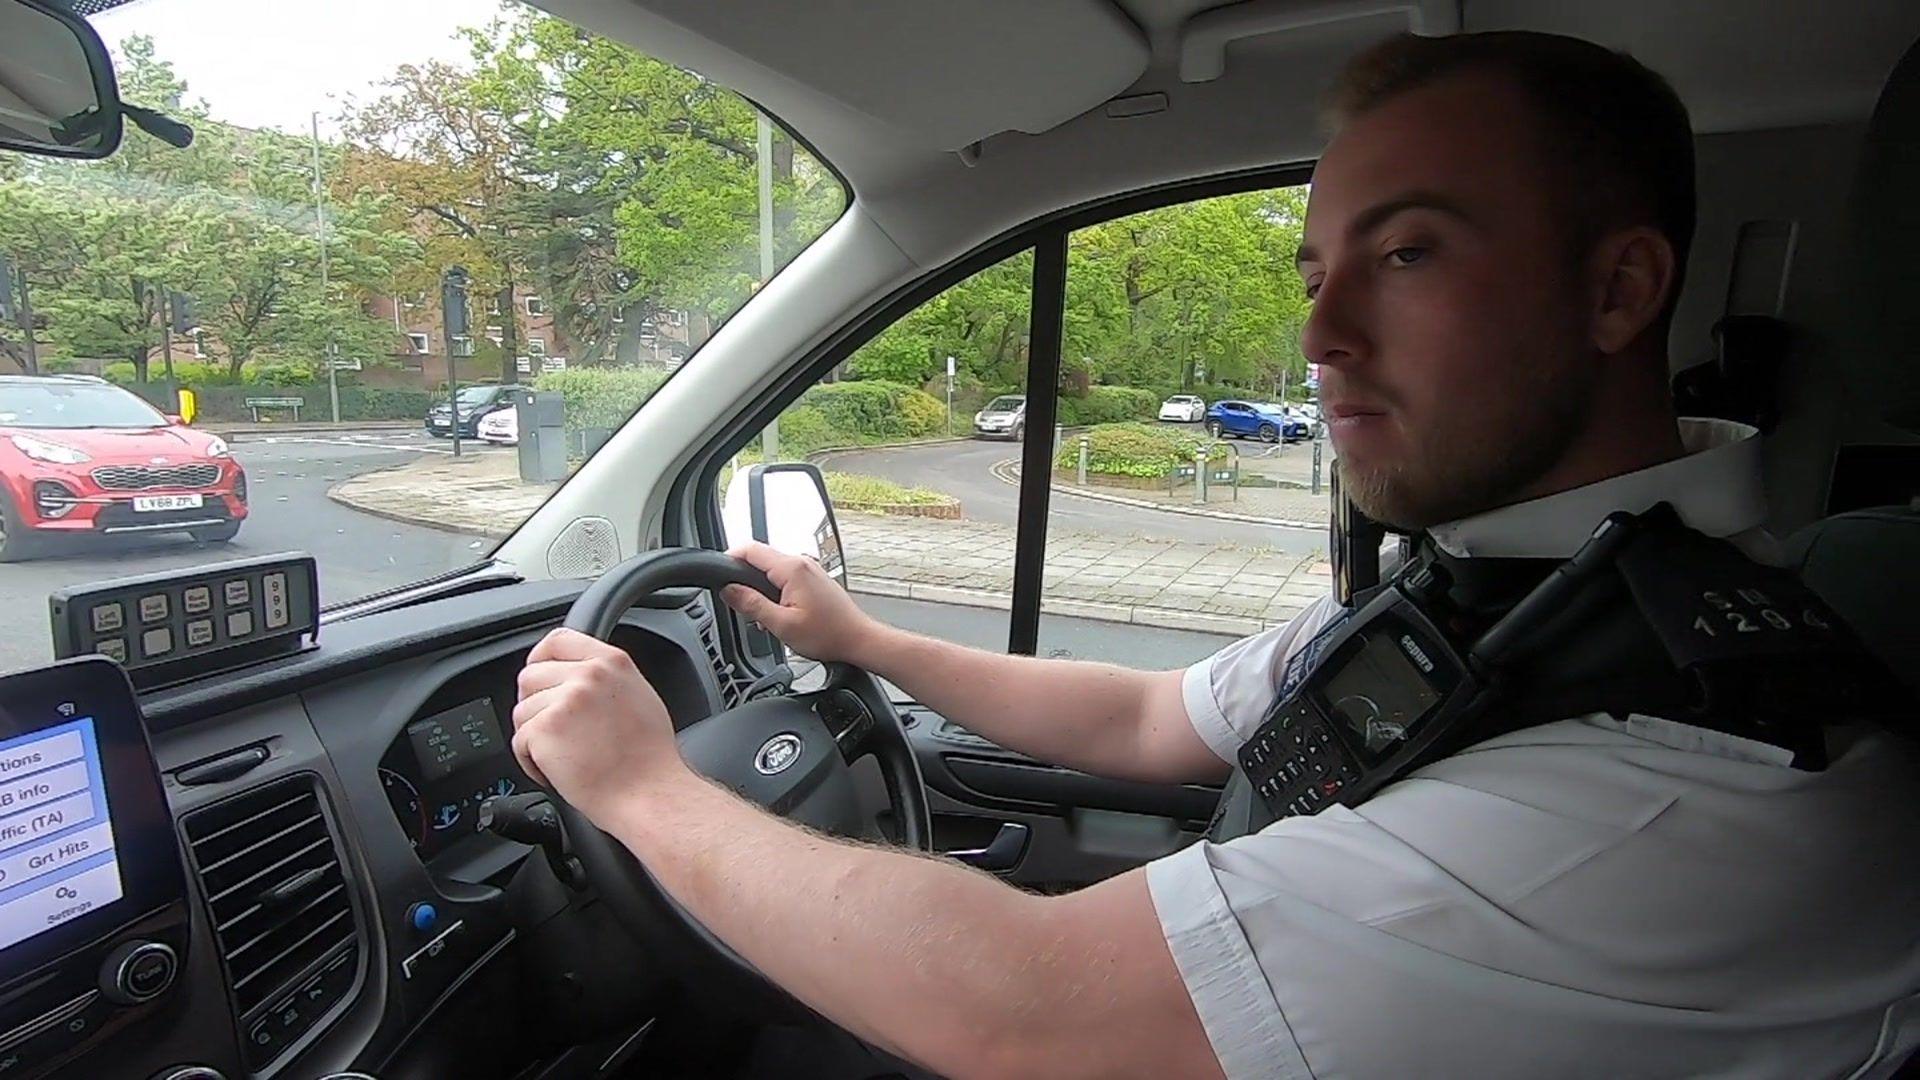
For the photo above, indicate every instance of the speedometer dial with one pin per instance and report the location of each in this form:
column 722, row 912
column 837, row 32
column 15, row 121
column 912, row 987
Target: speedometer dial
column 405, row 800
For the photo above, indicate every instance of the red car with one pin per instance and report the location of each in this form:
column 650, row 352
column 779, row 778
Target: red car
column 79, row 455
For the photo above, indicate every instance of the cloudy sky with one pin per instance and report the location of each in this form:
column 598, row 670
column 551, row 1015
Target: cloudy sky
column 271, row 63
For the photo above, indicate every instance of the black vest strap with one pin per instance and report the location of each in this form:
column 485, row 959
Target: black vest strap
column 1689, row 629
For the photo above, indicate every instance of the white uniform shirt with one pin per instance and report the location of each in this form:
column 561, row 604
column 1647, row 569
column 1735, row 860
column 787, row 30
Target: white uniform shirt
column 1590, row 897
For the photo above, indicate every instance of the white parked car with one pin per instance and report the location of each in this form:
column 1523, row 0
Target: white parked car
column 501, row 427
column 1183, row 408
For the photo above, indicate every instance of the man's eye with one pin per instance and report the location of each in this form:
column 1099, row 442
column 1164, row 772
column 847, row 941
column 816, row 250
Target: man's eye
column 1407, row 256
column 1313, row 290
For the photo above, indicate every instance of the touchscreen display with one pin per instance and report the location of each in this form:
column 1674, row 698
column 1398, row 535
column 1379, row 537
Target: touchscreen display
column 57, row 857
column 449, row 740
column 1379, row 695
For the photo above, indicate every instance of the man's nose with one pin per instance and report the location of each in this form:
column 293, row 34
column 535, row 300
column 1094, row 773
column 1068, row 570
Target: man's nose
column 1333, row 333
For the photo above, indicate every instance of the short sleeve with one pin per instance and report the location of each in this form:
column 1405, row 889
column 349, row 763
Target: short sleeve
column 1227, row 693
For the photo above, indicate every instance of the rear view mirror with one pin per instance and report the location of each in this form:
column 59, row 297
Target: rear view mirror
column 57, row 94
column 786, row 507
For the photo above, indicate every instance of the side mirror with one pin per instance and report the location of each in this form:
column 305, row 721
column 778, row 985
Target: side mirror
column 786, row 507
column 57, row 94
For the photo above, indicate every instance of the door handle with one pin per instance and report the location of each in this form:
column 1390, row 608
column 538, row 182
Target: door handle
column 1002, row 853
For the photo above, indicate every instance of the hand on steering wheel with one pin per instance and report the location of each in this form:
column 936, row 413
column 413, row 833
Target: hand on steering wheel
column 814, row 615
column 791, row 754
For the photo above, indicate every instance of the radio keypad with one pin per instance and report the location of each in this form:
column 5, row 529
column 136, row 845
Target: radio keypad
column 1294, row 762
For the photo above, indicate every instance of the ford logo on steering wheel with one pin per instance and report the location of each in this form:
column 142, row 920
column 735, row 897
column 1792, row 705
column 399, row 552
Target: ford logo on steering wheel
column 777, row 754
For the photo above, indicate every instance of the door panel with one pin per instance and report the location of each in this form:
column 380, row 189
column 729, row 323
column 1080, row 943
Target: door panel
column 1079, row 828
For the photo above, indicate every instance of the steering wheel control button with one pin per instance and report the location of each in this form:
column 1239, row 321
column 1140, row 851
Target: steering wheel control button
column 429, row 952
column 190, row 1072
column 778, row 754
column 138, row 971
column 423, row 917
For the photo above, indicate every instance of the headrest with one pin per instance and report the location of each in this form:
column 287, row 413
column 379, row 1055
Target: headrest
column 1864, row 564
column 1883, row 231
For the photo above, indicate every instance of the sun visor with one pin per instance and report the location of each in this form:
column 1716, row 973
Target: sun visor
column 940, row 74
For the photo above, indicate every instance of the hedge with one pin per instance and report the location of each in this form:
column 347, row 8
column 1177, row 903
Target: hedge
column 859, row 412
column 1108, row 405
column 601, row 397
column 1133, row 449
column 356, row 402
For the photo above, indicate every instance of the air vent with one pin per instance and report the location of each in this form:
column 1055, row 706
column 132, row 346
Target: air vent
column 275, row 893
column 723, row 673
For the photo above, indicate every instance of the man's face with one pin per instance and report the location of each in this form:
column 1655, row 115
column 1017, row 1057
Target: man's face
column 1449, row 315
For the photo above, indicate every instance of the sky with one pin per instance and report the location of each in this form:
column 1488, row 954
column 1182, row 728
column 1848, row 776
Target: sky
column 272, row 63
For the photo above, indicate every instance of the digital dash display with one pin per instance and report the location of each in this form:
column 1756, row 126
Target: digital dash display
column 446, row 741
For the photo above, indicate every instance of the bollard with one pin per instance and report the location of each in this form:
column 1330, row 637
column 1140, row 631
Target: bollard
column 1059, row 434
column 1316, row 466
column 1200, row 475
column 1085, row 449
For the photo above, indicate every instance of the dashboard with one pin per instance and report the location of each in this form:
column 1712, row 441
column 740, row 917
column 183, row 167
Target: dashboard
column 281, row 871
column 446, row 764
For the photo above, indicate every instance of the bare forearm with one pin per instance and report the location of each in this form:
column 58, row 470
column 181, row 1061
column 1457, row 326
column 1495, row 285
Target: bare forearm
column 867, row 936
column 1099, row 718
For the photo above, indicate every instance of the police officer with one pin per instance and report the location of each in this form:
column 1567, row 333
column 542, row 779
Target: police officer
column 1496, row 236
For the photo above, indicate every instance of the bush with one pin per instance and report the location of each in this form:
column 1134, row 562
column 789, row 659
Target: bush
column 1108, row 405
column 1132, row 449
column 376, row 403
column 852, row 489
column 859, row 413
column 601, row 397
column 804, row 429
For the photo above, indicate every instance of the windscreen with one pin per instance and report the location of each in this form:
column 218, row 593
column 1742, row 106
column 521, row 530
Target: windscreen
column 74, row 405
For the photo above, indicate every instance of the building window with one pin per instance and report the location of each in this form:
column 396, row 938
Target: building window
column 493, row 304
column 535, row 306
column 536, row 347
column 419, row 343
column 462, row 345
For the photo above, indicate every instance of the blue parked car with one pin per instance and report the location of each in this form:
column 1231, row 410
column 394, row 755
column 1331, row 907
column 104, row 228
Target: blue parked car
column 1266, row 422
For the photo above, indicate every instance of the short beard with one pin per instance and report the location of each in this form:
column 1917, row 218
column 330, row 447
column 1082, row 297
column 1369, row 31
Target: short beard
column 1457, row 474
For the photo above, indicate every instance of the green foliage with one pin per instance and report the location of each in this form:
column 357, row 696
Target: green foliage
column 1133, row 449
column 601, row 397
column 852, row 489
column 858, row 414
column 871, row 411
column 1109, row 404
column 228, row 222
column 804, row 429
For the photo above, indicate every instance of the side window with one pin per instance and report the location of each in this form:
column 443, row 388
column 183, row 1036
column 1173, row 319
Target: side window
column 1171, row 534
column 918, row 435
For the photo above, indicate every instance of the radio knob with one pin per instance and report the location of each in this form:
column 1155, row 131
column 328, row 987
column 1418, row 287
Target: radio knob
column 138, row 971
column 191, row 1072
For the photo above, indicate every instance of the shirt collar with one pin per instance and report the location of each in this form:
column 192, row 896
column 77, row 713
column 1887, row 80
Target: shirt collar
column 1715, row 487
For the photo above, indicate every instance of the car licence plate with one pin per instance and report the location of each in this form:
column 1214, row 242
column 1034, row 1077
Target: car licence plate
column 150, row 503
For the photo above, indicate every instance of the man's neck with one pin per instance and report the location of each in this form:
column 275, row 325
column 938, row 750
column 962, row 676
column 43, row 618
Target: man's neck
column 1632, row 426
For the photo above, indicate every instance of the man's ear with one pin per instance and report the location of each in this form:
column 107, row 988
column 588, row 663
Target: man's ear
column 1633, row 273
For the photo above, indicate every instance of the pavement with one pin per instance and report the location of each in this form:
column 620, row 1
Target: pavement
column 1192, row 580
column 967, row 470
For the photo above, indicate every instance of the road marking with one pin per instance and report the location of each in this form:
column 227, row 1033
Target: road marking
column 356, row 442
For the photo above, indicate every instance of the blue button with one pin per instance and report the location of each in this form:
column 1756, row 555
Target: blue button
column 423, row 917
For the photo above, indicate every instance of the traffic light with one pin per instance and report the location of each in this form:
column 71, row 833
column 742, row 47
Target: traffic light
column 184, row 319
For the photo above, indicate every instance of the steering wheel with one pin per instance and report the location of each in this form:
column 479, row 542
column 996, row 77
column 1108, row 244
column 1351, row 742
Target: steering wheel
column 790, row 754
